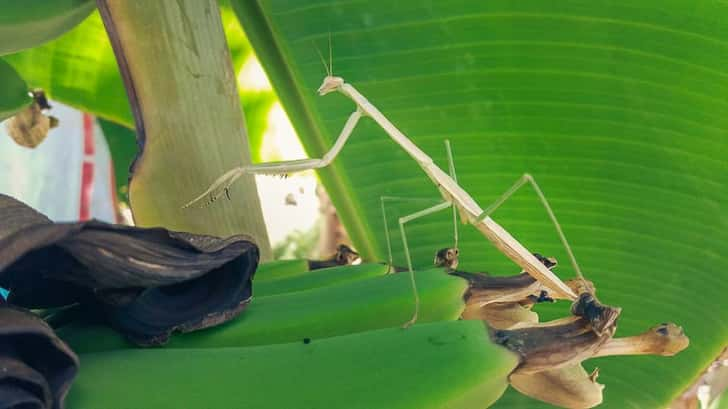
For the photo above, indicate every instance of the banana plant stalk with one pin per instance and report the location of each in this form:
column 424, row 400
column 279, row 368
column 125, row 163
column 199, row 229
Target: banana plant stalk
column 181, row 86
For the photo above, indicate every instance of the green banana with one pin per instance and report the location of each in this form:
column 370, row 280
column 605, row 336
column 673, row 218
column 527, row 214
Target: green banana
column 14, row 94
column 344, row 256
column 26, row 24
column 441, row 365
column 423, row 366
column 318, row 278
column 274, row 270
column 356, row 306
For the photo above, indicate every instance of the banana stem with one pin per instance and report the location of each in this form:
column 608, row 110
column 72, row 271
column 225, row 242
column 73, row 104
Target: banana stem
column 182, row 90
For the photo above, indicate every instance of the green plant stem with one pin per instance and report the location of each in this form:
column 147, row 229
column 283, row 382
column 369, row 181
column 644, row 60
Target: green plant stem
column 180, row 81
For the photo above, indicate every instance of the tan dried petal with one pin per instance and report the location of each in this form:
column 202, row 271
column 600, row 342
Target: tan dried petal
column 666, row 339
column 552, row 345
column 581, row 285
column 29, row 127
column 502, row 315
column 447, row 258
column 570, row 387
column 485, row 289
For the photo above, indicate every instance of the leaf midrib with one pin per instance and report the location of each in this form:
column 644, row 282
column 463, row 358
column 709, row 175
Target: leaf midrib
column 258, row 29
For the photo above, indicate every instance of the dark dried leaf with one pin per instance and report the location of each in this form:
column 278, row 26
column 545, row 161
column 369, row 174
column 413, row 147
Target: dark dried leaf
column 150, row 281
column 36, row 367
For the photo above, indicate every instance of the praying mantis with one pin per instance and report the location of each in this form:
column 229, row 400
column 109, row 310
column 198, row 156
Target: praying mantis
column 452, row 194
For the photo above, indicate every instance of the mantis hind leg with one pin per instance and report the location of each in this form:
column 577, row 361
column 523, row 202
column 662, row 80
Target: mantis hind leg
column 524, row 179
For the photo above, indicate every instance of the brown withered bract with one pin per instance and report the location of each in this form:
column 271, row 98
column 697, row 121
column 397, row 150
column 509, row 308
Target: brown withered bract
column 570, row 387
column 447, row 258
column 602, row 317
column 30, row 126
column 504, row 302
column 552, row 352
column 521, row 288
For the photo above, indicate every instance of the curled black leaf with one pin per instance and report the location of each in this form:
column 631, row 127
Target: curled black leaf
column 36, row 367
column 148, row 281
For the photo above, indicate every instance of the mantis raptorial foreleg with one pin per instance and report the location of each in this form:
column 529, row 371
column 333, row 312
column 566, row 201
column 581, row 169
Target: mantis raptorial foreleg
column 447, row 185
column 222, row 183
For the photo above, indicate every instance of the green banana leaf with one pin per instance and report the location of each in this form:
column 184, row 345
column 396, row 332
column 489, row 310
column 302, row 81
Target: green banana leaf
column 617, row 108
column 29, row 24
column 14, row 94
column 123, row 147
column 79, row 69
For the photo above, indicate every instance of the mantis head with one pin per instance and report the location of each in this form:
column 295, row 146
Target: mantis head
column 330, row 84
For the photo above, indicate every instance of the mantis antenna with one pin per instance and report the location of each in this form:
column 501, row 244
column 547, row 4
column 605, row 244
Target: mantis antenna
column 331, row 57
column 329, row 68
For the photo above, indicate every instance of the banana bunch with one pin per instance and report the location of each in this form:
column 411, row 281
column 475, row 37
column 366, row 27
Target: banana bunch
column 442, row 365
column 351, row 307
column 341, row 344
